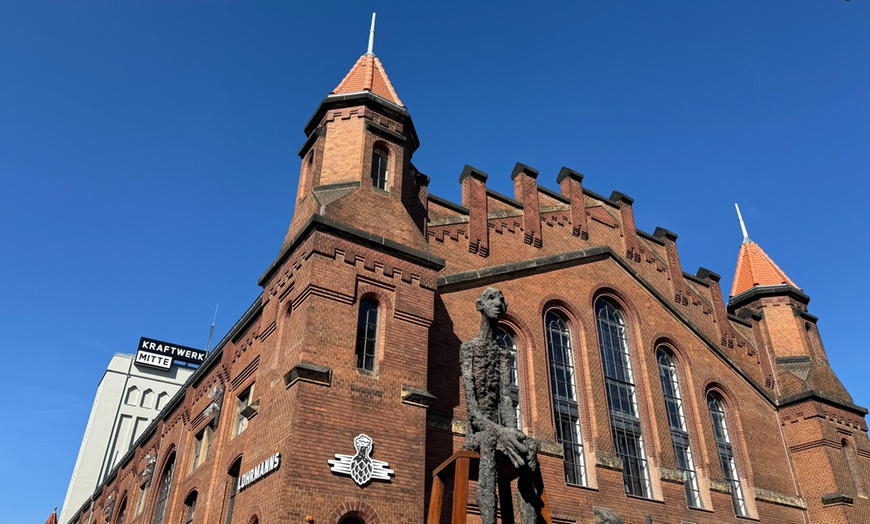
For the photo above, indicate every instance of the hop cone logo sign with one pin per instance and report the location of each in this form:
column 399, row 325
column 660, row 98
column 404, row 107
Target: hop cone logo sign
column 361, row 463
column 361, row 467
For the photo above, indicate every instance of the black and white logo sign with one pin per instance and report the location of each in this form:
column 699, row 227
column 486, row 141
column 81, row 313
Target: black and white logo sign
column 158, row 354
column 361, row 467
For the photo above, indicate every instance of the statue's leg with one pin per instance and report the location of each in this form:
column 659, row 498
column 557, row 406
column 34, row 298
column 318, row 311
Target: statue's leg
column 530, row 487
column 528, row 496
column 486, row 482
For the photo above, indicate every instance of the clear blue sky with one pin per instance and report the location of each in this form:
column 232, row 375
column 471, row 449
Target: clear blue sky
column 148, row 158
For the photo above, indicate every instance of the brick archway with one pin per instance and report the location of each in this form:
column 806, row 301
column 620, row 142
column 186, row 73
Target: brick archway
column 357, row 509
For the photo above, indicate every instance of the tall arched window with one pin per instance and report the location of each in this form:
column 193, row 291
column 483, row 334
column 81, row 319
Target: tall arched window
column 622, row 399
column 190, row 503
column 380, row 167
column 122, row 513
column 677, row 423
column 233, row 472
column 506, row 340
column 726, row 452
column 367, row 334
column 165, row 486
column 563, row 384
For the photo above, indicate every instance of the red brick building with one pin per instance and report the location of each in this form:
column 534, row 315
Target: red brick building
column 654, row 399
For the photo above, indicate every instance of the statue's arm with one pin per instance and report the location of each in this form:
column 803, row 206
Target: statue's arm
column 465, row 365
column 505, row 405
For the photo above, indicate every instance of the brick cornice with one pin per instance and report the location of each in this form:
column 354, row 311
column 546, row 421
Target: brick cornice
column 364, row 238
column 817, row 396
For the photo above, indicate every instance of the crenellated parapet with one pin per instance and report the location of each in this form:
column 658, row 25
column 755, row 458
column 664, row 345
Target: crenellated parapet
column 491, row 229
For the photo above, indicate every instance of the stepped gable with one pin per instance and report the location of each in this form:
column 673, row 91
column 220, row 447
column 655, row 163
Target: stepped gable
column 368, row 74
column 756, row 268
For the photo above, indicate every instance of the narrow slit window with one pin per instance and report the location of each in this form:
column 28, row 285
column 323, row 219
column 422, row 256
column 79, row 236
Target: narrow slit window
column 566, row 411
column 380, row 167
column 367, row 335
column 622, row 399
column 726, row 453
column 678, row 427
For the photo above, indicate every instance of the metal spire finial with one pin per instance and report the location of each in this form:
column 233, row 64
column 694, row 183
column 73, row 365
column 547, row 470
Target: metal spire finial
column 371, row 50
column 746, row 238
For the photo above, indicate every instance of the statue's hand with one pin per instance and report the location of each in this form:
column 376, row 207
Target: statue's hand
column 511, row 441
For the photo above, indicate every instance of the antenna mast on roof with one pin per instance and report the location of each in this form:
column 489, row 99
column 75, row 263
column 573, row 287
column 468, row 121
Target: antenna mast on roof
column 211, row 331
column 746, row 238
column 371, row 50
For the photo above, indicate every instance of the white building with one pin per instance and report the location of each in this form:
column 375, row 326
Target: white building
column 128, row 398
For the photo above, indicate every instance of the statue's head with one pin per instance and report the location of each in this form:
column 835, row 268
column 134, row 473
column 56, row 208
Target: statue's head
column 491, row 304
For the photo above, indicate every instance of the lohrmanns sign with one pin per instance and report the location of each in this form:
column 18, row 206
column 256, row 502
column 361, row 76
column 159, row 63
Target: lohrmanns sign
column 158, row 354
column 259, row 471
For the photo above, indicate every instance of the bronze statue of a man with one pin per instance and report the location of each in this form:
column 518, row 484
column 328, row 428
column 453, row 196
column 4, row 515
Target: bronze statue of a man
column 492, row 420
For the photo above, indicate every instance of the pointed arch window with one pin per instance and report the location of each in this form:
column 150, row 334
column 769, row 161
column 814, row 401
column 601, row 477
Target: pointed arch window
column 165, row 487
column 563, row 384
column 678, row 426
column 122, row 513
column 726, row 452
column 504, row 339
column 367, row 334
column 622, row 399
column 380, row 166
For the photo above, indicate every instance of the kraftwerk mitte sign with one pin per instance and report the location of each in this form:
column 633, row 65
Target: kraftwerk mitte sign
column 159, row 354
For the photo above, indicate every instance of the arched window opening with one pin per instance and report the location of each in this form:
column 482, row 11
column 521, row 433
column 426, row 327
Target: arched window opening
column 678, row 426
column 233, row 473
column 563, row 384
column 380, row 167
column 165, row 486
column 147, row 399
column 122, row 512
column 367, row 334
column 190, row 503
column 726, row 452
column 351, row 520
column 132, row 396
column 504, row 339
column 622, row 399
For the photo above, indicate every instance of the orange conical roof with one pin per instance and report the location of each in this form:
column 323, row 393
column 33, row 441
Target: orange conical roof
column 52, row 519
column 368, row 74
column 756, row 268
